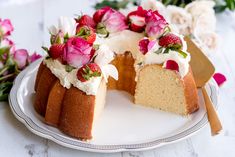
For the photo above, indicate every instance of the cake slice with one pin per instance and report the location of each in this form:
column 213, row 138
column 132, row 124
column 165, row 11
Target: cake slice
column 165, row 90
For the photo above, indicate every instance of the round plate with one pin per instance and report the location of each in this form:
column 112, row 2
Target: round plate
column 122, row 125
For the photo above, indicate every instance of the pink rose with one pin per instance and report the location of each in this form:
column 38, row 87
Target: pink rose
column 7, row 44
column 98, row 15
column 34, row 57
column 155, row 24
column 145, row 45
column 77, row 52
column 137, row 19
column 110, row 21
column 5, row 27
column 21, row 57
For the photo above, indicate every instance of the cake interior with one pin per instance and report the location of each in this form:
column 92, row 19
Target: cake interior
column 167, row 94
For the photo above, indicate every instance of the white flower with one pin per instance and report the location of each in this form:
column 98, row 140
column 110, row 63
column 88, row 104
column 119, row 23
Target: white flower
column 207, row 40
column 154, row 5
column 180, row 18
column 103, row 57
column 66, row 25
column 203, row 15
column 109, row 70
column 196, row 8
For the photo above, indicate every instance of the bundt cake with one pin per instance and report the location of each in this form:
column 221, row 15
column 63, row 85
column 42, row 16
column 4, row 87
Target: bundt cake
column 140, row 52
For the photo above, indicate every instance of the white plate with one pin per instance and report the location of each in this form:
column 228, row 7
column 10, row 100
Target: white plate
column 122, row 125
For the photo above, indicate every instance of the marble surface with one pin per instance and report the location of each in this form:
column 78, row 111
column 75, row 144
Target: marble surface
column 31, row 19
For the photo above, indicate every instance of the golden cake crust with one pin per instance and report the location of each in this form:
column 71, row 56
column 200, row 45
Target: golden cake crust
column 191, row 94
column 71, row 110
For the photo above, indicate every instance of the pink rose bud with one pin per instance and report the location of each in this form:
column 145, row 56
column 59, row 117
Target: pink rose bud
column 219, row 78
column 111, row 21
column 77, row 52
column 155, row 24
column 172, row 65
column 7, row 44
column 21, row 57
column 5, row 27
column 34, row 57
column 136, row 20
column 145, row 45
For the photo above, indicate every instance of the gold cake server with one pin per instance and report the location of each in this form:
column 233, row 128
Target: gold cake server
column 203, row 70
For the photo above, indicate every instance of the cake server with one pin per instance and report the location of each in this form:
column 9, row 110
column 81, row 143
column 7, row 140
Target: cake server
column 203, row 70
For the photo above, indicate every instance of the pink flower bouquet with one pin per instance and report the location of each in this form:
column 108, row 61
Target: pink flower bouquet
column 12, row 60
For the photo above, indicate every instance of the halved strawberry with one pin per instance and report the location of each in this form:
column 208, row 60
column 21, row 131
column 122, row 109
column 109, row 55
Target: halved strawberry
column 170, row 40
column 136, row 19
column 86, row 20
column 87, row 33
column 172, row 65
column 88, row 71
column 56, row 51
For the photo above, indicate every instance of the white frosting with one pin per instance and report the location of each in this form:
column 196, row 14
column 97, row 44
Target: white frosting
column 129, row 41
column 183, row 63
column 67, row 79
column 121, row 42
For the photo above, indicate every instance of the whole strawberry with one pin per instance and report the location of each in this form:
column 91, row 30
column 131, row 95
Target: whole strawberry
column 86, row 20
column 56, row 51
column 170, row 40
column 88, row 71
column 86, row 33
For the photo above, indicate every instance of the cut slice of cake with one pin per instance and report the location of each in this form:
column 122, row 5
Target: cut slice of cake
column 165, row 90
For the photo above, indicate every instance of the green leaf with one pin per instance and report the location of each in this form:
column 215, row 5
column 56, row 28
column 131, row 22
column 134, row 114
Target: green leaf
column 220, row 8
column 159, row 50
column 69, row 68
column 166, row 50
column 45, row 49
column 182, row 53
column 115, row 4
column 5, row 88
column 4, row 50
column 96, row 46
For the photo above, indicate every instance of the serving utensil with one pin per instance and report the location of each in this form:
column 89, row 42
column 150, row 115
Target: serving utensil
column 203, row 70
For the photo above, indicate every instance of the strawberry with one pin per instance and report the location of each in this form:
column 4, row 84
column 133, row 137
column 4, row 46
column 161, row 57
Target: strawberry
column 171, row 65
column 56, row 51
column 98, row 15
column 136, row 19
column 88, row 71
column 136, row 28
column 86, row 33
column 86, row 20
column 170, row 41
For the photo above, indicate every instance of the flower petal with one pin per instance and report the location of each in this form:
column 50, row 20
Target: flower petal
column 109, row 70
column 219, row 78
column 21, row 57
column 34, row 57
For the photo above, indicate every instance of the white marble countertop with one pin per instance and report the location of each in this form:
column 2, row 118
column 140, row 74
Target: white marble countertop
column 31, row 19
